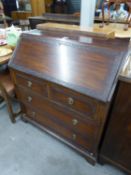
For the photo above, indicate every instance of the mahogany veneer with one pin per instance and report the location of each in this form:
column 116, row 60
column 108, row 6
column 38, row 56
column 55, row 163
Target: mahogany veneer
column 66, row 85
column 116, row 146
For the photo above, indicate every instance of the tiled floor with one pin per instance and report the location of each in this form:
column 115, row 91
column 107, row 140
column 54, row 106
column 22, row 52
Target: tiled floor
column 26, row 150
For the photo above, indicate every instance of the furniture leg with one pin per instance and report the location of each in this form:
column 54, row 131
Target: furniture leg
column 8, row 101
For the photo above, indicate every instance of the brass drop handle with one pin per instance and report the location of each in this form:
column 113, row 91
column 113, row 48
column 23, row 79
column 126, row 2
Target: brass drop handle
column 74, row 136
column 29, row 84
column 70, row 101
column 29, row 99
column 75, row 122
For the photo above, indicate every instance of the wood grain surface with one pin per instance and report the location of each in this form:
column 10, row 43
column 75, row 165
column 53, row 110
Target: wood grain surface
column 65, row 82
column 116, row 147
column 83, row 67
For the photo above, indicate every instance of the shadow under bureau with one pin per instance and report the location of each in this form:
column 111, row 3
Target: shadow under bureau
column 66, row 85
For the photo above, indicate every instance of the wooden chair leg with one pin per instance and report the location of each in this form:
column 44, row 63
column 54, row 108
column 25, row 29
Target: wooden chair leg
column 10, row 109
column 8, row 101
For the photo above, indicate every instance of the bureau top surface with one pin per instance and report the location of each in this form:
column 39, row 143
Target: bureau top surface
column 90, row 68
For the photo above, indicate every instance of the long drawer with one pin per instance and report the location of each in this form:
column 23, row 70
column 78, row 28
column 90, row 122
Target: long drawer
column 66, row 133
column 56, row 113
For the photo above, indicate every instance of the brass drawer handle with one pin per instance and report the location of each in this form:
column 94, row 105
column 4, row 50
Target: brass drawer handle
column 75, row 122
column 74, row 136
column 29, row 84
column 29, row 99
column 70, row 101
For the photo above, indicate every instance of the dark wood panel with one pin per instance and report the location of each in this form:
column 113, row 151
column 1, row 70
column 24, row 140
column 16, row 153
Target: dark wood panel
column 117, row 142
column 80, row 103
column 73, row 122
column 85, row 39
column 89, row 70
column 32, row 84
column 86, row 128
column 73, row 137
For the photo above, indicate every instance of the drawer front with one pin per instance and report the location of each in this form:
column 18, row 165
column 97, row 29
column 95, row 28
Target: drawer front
column 60, row 115
column 74, row 101
column 74, row 138
column 32, row 84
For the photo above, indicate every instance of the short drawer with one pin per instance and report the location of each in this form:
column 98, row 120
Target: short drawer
column 32, row 84
column 74, row 138
column 74, row 101
column 60, row 115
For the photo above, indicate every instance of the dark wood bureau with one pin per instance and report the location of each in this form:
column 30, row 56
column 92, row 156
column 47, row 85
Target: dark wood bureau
column 66, row 86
